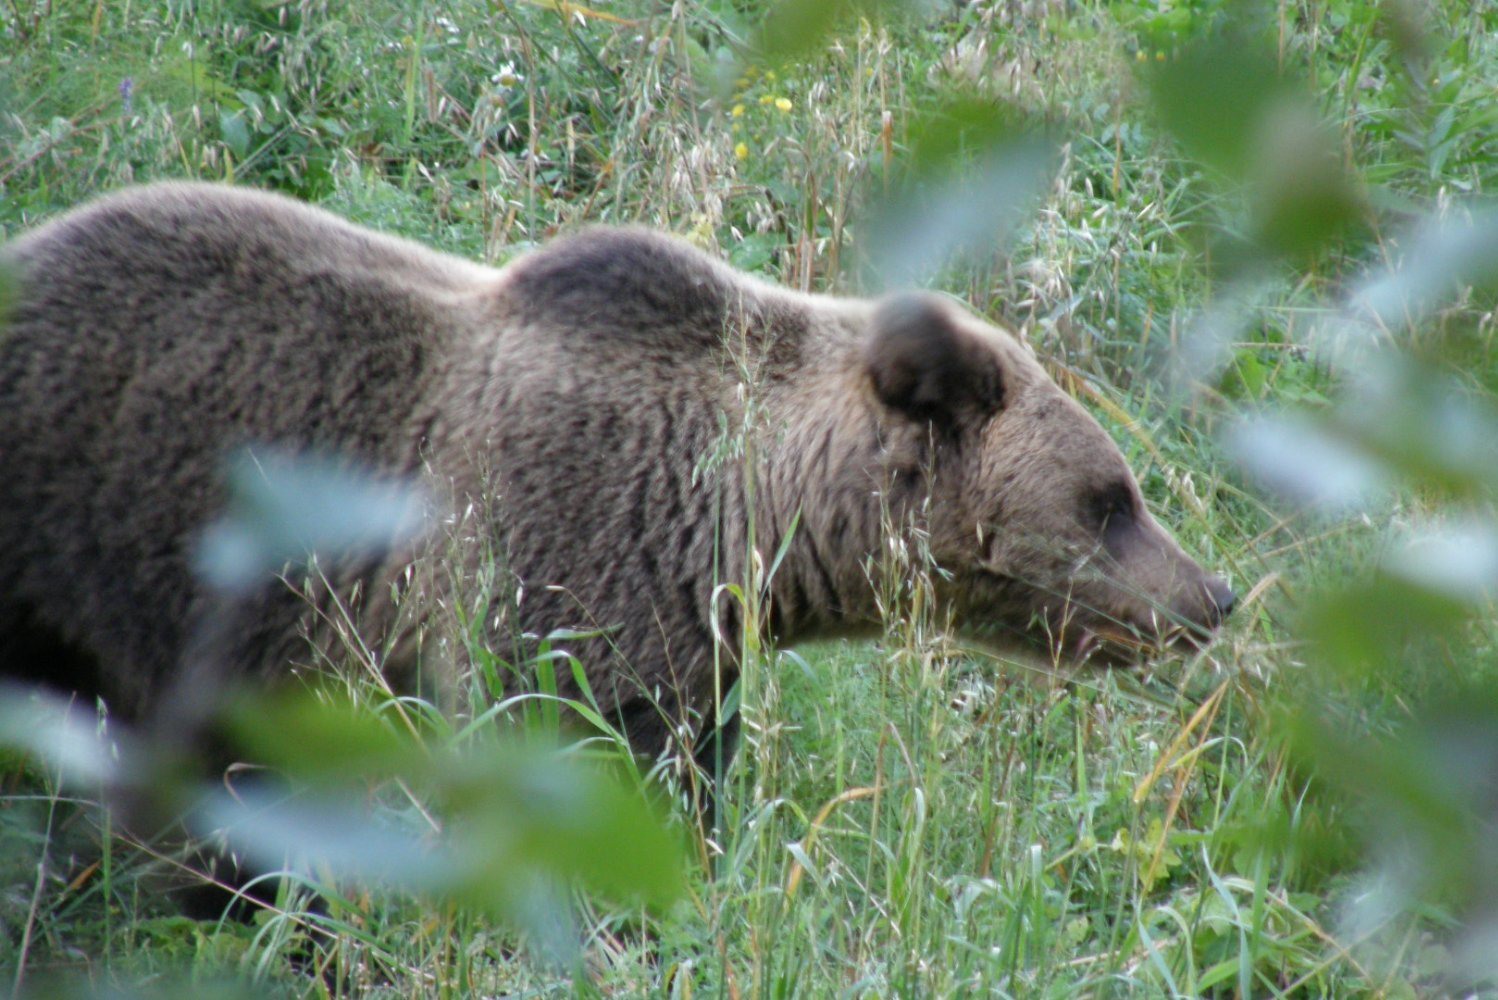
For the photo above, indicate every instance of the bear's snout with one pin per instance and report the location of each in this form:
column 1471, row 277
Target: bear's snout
column 1212, row 603
column 1200, row 612
column 1222, row 599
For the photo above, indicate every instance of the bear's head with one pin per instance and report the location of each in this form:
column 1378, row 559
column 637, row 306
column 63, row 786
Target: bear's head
column 1033, row 517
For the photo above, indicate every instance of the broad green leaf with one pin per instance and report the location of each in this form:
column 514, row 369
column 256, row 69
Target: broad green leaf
column 286, row 508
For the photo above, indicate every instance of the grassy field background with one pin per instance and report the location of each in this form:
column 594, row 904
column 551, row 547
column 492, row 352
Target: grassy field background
column 1302, row 810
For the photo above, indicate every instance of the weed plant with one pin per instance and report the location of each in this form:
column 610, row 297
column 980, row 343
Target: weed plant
column 909, row 817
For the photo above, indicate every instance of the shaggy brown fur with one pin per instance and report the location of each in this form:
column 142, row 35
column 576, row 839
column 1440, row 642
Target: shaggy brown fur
column 587, row 385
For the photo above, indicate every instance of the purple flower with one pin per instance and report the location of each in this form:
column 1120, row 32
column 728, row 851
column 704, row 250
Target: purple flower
column 127, row 89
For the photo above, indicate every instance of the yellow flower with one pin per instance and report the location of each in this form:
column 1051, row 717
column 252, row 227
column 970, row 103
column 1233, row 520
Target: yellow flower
column 741, row 151
column 735, row 127
column 1140, row 56
column 766, row 99
column 1160, row 56
column 770, row 75
column 738, row 111
column 783, row 103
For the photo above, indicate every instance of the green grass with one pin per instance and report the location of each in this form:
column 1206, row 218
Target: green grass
column 907, row 817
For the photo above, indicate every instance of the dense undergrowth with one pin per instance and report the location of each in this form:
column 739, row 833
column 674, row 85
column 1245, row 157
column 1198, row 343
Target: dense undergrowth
column 911, row 817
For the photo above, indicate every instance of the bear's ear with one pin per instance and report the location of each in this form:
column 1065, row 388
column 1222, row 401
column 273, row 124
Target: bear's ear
column 925, row 366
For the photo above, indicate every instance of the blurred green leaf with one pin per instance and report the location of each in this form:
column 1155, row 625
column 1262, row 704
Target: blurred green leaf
column 1302, row 193
column 1443, row 258
column 1403, row 23
column 1457, row 558
column 323, row 738
column 1399, row 420
column 1226, row 101
column 1306, row 462
column 1217, row 95
column 1162, row 26
column 506, row 813
column 561, row 816
column 496, row 825
column 794, row 29
column 1422, row 423
column 1426, row 788
column 959, row 130
column 285, row 507
column 969, row 174
column 1375, row 624
column 56, row 732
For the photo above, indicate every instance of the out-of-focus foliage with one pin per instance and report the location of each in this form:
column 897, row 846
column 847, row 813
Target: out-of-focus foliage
column 501, row 825
column 971, row 171
column 341, row 794
column 1194, row 210
column 284, row 508
column 1395, row 714
column 514, row 824
column 1230, row 107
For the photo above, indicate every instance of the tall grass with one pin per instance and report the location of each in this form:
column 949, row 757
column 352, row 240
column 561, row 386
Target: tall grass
column 907, row 817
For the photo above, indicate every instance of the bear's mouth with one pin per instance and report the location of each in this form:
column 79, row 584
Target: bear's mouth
column 1109, row 647
column 1111, row 643
column 1069, row 628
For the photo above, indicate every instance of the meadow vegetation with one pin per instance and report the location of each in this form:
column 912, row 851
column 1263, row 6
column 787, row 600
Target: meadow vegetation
column 1251, row 238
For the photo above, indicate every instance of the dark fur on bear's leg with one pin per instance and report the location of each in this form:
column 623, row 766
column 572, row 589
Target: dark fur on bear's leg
column 715, row 753
column 645, row 725
column 231, row 889
column 226, row 890
column 236, row 894
column 33, row 652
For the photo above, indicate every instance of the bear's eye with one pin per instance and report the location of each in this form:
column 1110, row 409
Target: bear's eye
column 1110, row 509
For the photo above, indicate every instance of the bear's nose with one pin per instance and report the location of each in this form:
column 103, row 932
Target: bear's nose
column 1222, row 596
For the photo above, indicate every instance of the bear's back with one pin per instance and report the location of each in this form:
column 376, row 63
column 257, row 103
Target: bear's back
column 155, row 333
column 163, row 328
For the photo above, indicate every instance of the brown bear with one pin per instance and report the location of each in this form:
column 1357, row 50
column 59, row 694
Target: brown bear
column 630, row 405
